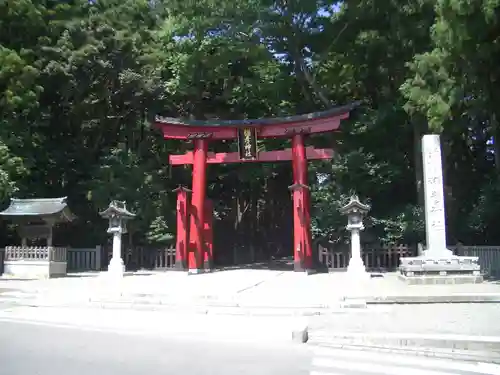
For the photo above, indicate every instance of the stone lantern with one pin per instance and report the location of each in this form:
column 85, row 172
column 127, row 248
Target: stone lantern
column 118, row 215
column 355, row 211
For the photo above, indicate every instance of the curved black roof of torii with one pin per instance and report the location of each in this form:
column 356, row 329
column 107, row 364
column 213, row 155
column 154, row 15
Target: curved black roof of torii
column 335, row 111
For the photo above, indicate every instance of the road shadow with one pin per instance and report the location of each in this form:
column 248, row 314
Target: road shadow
column 280, row 264
column 272, row 265
column 79, row 276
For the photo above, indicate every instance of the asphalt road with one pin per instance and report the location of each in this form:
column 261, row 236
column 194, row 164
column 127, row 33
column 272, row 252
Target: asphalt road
column 27, row 349
column 41, row 349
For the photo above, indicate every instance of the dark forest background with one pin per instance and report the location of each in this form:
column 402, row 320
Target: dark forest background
column 80, row 81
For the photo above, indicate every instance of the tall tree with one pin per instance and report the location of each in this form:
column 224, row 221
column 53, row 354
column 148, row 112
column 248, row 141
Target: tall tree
column 455, row 87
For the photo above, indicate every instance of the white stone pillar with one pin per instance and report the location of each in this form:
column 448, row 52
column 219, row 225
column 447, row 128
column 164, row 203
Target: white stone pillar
column 435, row 222
column 356, row 266
column 116, row 265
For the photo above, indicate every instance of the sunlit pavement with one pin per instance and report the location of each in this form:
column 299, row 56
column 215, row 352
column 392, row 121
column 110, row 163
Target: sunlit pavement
column 241, row 287
column 44, row 348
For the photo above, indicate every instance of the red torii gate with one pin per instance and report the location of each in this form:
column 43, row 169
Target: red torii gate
column 194, row 220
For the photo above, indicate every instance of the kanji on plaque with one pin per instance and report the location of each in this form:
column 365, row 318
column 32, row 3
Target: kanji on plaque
column 247, row 143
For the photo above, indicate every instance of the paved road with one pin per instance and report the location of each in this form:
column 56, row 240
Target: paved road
column 41, row 349
column 44, row 350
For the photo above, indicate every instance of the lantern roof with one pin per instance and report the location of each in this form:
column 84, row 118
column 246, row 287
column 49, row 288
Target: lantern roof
column 39, row 207
column 117, row 209
column 354, row 205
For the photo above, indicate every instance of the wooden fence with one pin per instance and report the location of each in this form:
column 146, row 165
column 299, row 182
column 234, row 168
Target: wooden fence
column 376, row 258
column 383, row 258
column 386, row 258
column 97, row 258
column 34, row 253
column 489, row 257
column 84, row 259
column 151, row 258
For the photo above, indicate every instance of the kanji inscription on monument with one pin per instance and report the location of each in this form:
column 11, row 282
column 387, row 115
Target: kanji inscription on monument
column 435, row 224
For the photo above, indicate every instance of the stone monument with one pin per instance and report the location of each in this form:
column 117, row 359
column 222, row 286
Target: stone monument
column 117, row 214
column 355, row 211
column 437, row 264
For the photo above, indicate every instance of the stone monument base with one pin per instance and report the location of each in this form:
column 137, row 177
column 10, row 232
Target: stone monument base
column 430, row 279
column 428, row 269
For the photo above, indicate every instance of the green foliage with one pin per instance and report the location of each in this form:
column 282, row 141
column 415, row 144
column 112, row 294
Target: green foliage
column 79, row 79
column 454, row 85
column 483, row 218
column 11, row 169
column 159, row 232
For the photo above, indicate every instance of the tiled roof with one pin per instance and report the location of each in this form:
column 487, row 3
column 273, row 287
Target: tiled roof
column 38, row 207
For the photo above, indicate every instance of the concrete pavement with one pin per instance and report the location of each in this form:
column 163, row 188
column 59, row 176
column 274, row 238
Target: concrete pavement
column 244, row 288
column 469, row 329
column 465, row 319
column 343, row 362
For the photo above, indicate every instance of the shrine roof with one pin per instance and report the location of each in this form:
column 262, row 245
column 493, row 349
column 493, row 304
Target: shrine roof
column 39, row 207
column 332, row 112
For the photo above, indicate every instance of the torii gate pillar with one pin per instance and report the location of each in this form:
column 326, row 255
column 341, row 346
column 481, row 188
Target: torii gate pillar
column 208, row 259
column 197, row 213
column 182, row 238
column 301, row 207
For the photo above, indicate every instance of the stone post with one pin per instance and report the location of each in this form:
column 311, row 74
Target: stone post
column 356, row 265
column 355, row 211
column 435, row 222
column 117, row 214
column 116, row 265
